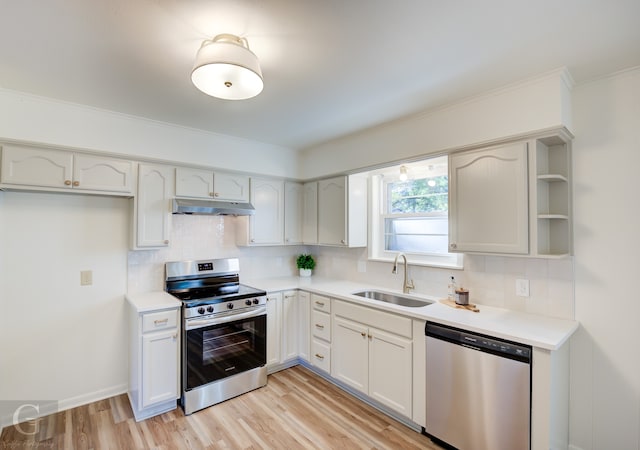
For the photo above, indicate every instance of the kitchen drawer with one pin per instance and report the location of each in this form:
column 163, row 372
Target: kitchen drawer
column 160, row 320
column 321, row 355
column 321, row 303
column 321, row 325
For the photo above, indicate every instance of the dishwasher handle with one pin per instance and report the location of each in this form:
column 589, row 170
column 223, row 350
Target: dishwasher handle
column 479, row 342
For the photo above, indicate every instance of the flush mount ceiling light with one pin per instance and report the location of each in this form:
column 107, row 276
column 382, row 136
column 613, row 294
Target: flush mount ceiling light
column 226, row 68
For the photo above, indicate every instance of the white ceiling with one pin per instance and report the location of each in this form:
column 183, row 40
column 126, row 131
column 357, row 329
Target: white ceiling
column 331, row 67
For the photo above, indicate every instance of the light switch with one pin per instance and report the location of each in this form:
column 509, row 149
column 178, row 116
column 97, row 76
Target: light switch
column 86, row 277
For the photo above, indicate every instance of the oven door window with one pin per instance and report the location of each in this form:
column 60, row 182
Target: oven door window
column 219, row 351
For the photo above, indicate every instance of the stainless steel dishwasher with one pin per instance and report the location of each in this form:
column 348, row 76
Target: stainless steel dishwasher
column 478, row 390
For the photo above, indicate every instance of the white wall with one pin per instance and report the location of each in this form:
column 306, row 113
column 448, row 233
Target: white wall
column 605, row 360
column 59, row 340
column 28, row 118
column 535, row 104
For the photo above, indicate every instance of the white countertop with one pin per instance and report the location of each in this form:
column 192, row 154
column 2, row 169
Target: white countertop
column 538, row 331
column 150, row 301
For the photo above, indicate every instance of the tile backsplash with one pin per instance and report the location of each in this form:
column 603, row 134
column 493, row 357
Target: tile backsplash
column 491, row 280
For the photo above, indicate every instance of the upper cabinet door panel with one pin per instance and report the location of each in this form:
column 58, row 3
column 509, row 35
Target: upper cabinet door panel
column 231, row 187
column 194, row 183
column 293, row 208
column 102, row 174
column 36, row 167
column 488, row 192
column 332, row 205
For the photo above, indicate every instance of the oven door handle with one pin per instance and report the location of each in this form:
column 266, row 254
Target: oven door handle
column 193, row 324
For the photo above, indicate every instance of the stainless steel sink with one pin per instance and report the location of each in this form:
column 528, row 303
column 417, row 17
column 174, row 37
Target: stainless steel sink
column 392, row 298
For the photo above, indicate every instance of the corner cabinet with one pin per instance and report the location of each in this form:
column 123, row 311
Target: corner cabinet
column 310, row 213
column 293, row 210
column 152, row 206
column 266, row 226
column 57, row 170
column 342, row 211
column 512, row 199
column 201, row 183
column 153, row 361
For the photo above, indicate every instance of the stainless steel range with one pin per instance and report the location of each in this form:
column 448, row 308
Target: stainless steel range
column 224, row 331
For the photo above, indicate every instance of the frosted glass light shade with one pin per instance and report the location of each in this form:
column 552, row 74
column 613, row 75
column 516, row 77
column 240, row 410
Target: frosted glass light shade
column 226, row 68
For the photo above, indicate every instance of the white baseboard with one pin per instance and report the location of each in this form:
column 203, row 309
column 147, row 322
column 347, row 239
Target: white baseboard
column 72, row 402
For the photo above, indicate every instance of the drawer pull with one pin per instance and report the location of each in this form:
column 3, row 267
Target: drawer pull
column 160, row 322
column 319, row 356
column 319, row 303
column 320, row 326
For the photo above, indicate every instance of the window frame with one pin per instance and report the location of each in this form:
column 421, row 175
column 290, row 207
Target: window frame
column 379, row 182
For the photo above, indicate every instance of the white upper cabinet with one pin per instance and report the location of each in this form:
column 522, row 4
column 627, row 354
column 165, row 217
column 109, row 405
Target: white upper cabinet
column 44, row 169
column 266, row 226
column 152, row 210
column 513, row 199
column 488, row 200
column 199, row 183
column 342, row 211
column 310, row 213
column 293, row 209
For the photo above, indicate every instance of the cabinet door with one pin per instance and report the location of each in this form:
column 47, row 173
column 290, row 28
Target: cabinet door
column 350, row 354
column 36, row 167
column 304, row 320
column 332, row 211
column 102, row 174
column 488, row 200
column 266, row 225
column 274, row 320
column 293, row 208
column 231, row 187
column 390, row 370
column 290, row 325
column 310, row 214
column 194, row 183
column 153, row 205
column 159, row 367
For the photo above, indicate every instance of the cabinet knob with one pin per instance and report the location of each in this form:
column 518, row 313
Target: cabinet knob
column 212, row 194
column 215, row 194
column 166, row 241
column 453, row 246
column 363, row 334
column 253, row 240
column 342, row 241
column 76, row 183
column 67, row 182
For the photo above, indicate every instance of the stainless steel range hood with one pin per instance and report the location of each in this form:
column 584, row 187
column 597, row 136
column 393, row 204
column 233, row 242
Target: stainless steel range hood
column 212, row 207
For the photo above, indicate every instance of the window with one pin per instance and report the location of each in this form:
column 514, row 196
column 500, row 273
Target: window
column 410, row 213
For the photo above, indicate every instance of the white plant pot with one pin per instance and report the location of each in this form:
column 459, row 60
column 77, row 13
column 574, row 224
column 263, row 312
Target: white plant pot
column 305, row 272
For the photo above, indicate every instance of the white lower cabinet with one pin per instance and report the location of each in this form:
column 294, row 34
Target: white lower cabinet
column 289, row 326
column 372, row 351
column 321, row 332
column 304, row 324
column 274, row 328
column 154, row 353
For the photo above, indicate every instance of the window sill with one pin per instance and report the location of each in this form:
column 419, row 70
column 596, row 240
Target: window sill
column 412, row 262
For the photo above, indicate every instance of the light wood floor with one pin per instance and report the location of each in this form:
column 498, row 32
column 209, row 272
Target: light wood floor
column 297, row 409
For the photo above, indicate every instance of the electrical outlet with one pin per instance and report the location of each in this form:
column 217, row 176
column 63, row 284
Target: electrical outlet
column 522, row 288
column 86, row 277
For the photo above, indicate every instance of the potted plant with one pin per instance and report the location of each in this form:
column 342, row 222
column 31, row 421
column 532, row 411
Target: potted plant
column 306, row 264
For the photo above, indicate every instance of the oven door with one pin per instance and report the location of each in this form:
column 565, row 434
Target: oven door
column 218, row 348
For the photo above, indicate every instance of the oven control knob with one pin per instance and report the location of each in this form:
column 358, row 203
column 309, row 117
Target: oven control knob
column 229, row 305
column 247, row 302
column 256, row 301
column 210, row 309
column 201, row 310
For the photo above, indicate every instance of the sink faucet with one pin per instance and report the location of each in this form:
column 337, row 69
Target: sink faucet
column 406, row 285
